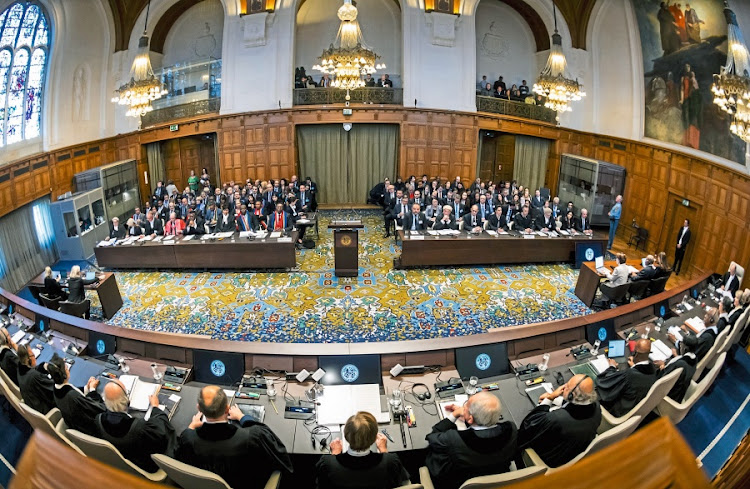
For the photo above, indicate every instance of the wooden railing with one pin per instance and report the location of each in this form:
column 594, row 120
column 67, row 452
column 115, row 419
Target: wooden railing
column 330, row 96
column 515, row 109
column 182, row 111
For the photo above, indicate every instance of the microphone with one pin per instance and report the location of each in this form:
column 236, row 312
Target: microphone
column 415, row 103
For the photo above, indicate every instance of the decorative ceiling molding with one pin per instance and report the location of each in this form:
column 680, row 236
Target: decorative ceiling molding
column 166, row 21
column 535, row 22
column 577, row 14
column 125, row 14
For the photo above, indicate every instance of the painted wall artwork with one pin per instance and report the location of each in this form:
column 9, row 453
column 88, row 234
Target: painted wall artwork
column 683, row 45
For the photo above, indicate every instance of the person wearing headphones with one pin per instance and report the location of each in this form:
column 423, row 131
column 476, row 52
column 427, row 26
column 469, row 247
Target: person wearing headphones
column 564, row 422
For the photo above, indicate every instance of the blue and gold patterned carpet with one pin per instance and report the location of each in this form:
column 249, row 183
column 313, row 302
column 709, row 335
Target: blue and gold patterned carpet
column 382, row 304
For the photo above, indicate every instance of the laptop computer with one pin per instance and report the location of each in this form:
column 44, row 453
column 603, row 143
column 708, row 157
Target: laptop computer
column 599, row 263
column 56, row 275
column 90, row 275
column 617, row 350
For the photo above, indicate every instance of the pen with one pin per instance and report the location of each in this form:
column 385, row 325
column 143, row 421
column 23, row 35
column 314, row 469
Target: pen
column 387, row 435
column 274, row 406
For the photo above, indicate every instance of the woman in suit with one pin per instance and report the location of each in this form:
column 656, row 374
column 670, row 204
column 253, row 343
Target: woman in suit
column 134, row 227
column 79, row 407
column 568, row 222
column 76, row 285
column 619, row 275
column 662, row 266
column 34, row 382
column 52, row 285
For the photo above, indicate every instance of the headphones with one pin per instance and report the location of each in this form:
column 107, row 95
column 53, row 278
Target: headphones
column 570, row 394
column 424, row 396
column 325, row 433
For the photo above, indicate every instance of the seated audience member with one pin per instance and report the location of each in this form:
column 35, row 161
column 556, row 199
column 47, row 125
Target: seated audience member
column 648, row 272
column 280, row 220
column 522, row 222
column 457, row 207
column 545, row 222
column 730, row 281
column 52, row 287
column 472, row 221
column 396, row 215
column 244, row 219
column 292, row 207
column 135, row 438
column 619, row 275
column 446, row 221
column 212, row 216
column 193, row 227
column 8, row 355
column 661, row 264
column 487, row 447
column 259, row 218
column 485, row 208
column 568, row 222
column 415, row 220
column 486, row 90
column 117, row 231
column 79, row 407
column 559, row 435
column 524, row 89
column 133, row 228
column 556, row 209
column 360, row 467
column 225, row 222
column 537, row 202
column 702, row 342
column 77, row 284
column 175, row 226
column 620, row 390
column 212, row 443
column 500, row 92
column 497, row 220
column 37, row 388
column 687, row 362
column 584, row 223
column 433, row 211
column 152, row 226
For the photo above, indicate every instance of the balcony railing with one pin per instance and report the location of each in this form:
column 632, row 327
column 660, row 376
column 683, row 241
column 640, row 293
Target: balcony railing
column 330, row 96
column 183, row 111
column 515, row 109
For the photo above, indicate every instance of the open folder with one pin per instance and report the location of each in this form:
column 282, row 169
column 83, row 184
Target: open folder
column 138, row 391
column 341, row 401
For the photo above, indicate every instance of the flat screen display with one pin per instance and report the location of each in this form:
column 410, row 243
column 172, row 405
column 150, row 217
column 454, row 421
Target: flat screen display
column 483, row 361
column 604, row 331
column 350, row 369
column 101, row 344
column 218, row 367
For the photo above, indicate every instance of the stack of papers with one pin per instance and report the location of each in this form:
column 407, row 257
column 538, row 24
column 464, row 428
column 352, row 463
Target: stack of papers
column 696, row 324
column 659, row 351
column 459, row 400
column 600, row 364
column 227, row 234
column 207, row 236
column 189, row 237
column 138, row 391
column 676, row 332
column 341, row 401
column 276, row 234
column 107, row 243
column 564, row 233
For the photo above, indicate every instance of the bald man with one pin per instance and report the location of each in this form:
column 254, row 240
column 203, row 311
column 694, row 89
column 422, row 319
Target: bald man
column 620, row 390
column 135, row 438
column 559, row 435
column 244, row 455
column 487, row 447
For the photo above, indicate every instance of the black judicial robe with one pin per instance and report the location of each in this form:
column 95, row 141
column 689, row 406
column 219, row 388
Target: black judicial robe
column 9, row 363
column 687, row 363
column 454, row 456
column 136, row 438
column 620, row 391
column 372, row 471
column 36, row 388
column 79, row 410
column 231, row 451
column 559, row 436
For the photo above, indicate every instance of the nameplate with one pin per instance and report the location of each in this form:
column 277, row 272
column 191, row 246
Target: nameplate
column 528, row 236
column 417, row 236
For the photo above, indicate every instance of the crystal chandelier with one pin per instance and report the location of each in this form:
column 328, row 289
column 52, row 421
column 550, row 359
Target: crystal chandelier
column 552, row 83
column 143, row 87
column 348, row 58
column 731, row 86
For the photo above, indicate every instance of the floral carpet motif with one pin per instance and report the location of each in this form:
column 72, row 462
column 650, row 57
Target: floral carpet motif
column 311, row 305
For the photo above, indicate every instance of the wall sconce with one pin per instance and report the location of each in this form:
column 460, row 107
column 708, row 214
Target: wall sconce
column 256, row 6
column 452, row 7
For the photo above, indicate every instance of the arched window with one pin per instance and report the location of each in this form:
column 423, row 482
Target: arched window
column 24, row 46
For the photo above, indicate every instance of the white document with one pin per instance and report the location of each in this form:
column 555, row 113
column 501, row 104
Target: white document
column 207, row 236
column 276, row 234
column 676, row 332
column 564, row 233
column 138, row 391
column 696, row 324
column 459, row 400
column 102, row 244
column 528, row 236
column 339, row 402
column 188, row 237
column 18, row 336
column 600, row 363
column 246, row 234
column 632, row 269
column 659, row 351
column 433, row 233
column 417, row 236
column 158, row 238
column 491, row 232
column 284, row 240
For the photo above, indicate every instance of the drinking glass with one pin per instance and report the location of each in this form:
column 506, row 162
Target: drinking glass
column 395, row 400
column 270, row 389
column 472, row 387
column 158, row 375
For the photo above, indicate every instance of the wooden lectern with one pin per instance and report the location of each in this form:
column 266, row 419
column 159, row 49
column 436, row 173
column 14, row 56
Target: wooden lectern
column 345, row 247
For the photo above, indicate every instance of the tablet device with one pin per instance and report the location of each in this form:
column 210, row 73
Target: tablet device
column 616, row 349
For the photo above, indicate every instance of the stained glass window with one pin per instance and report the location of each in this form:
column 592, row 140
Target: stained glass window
column 24, row 46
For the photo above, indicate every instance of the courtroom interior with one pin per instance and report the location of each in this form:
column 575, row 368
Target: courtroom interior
column 374, row 244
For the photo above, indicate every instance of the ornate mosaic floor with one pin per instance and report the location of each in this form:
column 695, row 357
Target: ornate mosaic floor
column 382, row 304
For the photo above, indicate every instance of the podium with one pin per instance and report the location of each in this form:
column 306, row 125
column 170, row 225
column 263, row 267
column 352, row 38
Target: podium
column 345, row 247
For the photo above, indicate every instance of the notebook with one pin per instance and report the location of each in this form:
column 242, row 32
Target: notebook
column 255, row 411
column 138, row 391
column 535, row 391
column 459, row 400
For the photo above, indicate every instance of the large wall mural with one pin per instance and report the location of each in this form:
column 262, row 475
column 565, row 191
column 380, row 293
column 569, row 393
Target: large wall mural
column 683, row 45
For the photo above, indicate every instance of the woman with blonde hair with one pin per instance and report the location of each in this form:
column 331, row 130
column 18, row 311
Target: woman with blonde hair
column 52, row 285
column 76, row 285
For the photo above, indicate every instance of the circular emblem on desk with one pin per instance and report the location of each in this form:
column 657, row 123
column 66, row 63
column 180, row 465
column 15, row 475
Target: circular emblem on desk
column 602, row 334
column 662, row 310
column 349, row 373
column 100, row 346
column 218, row 368
column 695, row 293
column 346, row 240
column 483, row 361
column 589, row 254
column 41, row 325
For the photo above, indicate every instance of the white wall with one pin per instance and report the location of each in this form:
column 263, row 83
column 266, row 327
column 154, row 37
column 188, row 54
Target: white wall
column 379, row 20
column 196, row 35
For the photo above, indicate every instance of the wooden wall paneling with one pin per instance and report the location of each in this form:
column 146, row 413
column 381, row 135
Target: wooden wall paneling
column 231, row 142
column 6, row 192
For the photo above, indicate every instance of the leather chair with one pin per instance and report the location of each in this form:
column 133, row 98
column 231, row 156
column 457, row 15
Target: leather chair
column 104, row 451
column 10, row 391
column 657, row 286
column 189, row 477
column 739, row 271
column 487, row 481
column 50, row 302
column 78, row 309
column 10, row 385
column 655, row 394
column 676, row 411
column 614, row 295
column 47, row 423
column 708, row 359
column 637, row 290
column 35, row 291
column 734, row 335
column 599, row 442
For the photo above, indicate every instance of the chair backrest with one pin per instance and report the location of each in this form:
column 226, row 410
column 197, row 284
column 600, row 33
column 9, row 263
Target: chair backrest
column 638, row 289
column 104, row 451
column 77, row 309
column 655, row 394
column 656, row 286
column 50, row 302
column 696, row 389
column 740, row 272
column 187, row 476
column 35, row 291
column 40, row 421
column 642, row 233
column 498, row 480
column 708, row 359
column 10, row 385
column 742, row 325
column 610, row 437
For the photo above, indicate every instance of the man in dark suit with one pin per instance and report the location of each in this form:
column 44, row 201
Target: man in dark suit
column 620, row 390
column 683, row 238
column 117, row 231
column 306, row 199
column 152, row 225
column 486, row 447
column 584, row 223
column 522, row 221
column 390, row 198
column 497, row 221
column 545, row 222
column 730, row 281
column 135, row 438
column 226, row 222
column 280, row 220
column 400, row 209
column 648, row 272
column 458, row 209
column 415, row 220
column 446, row 221
column 537, row 202
column 212, row 443
column 472, row 221
column 559, row 435
column 702, row 342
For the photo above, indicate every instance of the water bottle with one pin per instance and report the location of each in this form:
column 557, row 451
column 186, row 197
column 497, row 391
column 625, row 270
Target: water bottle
column 271, row 390
column 124, row 367
column 595, row 351
column 157, row 374
column 545, row 362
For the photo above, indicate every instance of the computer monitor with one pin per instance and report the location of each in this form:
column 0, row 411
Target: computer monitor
column 218, row 367
column 588, row 251
column 482, row 360
column 101, row 344
column 604, row 331
column 350, row 369
column 662, row 309
column 90, row 275
column 41, row 323
column 599, row 262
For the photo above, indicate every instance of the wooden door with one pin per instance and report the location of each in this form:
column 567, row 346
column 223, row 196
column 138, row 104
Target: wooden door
column 488, row 154
column 506, row 153
column 190, row 158
column 172, row 164
column 675, row 220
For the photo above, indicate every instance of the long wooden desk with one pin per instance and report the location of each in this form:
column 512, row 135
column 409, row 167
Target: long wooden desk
column 230, row 253
column 107, row 290
column 589, row 279
column 483, row 249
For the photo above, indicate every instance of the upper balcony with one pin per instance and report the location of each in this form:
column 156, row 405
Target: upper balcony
column 332, row 96
column 513, row 108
